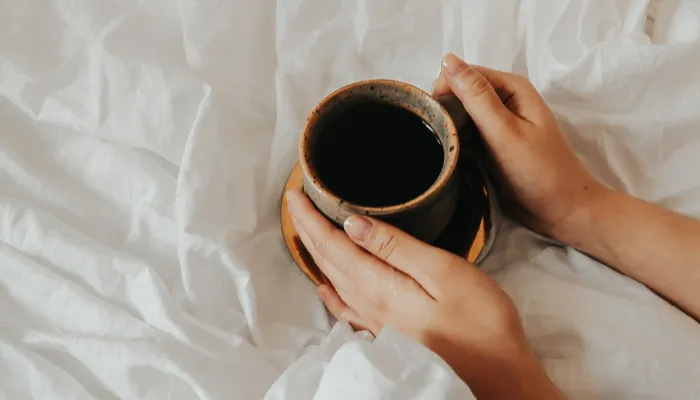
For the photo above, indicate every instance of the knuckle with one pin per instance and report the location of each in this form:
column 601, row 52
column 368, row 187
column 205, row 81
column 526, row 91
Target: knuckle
column 444, row 270
column 397, row 282
column 376, row 290
column 324, row 244
column 522, row 80
column 380, row 306
column 466, row 71
column 451, row 264
column 376, row 264
column 385, row 245
column 480, row 86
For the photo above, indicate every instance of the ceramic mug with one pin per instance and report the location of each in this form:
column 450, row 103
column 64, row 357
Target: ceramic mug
column 423, row 217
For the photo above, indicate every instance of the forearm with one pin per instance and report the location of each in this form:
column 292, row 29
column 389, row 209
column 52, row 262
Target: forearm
column 654, row 246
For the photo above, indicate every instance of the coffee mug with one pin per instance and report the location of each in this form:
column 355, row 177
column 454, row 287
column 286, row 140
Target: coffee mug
column 366, row 149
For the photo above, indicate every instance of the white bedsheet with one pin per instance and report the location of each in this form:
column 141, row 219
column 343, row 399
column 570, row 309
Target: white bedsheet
column 144, row 145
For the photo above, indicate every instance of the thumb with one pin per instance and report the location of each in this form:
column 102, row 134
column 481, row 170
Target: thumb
column 477, row 95
column 430, row 267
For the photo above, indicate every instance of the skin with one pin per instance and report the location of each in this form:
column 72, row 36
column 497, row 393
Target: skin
column 380, row 275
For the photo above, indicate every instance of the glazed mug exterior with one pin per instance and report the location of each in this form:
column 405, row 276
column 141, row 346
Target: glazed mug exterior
column 423, row 217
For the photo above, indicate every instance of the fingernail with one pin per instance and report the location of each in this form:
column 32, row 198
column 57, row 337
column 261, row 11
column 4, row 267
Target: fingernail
column 452, row 64
column 358, row 227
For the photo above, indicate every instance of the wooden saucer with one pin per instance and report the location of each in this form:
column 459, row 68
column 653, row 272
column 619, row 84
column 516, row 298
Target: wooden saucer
column 465, row 235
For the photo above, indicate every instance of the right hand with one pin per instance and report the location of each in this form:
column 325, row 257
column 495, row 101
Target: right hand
column 541, row 181
column 379, row 275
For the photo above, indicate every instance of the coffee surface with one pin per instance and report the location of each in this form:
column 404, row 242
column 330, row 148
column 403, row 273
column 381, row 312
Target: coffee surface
column 375, row 155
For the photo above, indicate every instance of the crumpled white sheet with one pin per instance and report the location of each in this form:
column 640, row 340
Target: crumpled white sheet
column 144, row 146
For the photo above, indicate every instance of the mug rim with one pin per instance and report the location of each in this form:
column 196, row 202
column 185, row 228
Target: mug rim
column 446, row 173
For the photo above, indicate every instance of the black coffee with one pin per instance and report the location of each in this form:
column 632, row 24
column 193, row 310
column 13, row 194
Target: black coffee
column 375, row 155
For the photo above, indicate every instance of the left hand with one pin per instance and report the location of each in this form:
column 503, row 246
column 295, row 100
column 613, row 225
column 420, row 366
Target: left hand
column 381, row 275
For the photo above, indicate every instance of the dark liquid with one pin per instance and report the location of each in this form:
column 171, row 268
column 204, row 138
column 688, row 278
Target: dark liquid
column 375, row 155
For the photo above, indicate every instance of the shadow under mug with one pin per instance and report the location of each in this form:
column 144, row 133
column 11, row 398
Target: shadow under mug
column 423, row 217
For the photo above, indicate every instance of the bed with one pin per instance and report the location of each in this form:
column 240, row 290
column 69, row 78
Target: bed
column 143, row 149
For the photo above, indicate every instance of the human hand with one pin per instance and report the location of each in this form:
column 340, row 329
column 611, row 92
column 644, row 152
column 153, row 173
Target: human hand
column 541, row 181
column 380, row 275
column 555, row 195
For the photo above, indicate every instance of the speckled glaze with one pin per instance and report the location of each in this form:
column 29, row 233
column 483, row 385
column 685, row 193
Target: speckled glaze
column 424, row 216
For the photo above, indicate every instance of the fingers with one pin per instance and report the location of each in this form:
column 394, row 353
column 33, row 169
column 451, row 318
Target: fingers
column 440, row 87
column 333, row 274
column 477, row 95
column 342, row 312
column 336, row 303
column 431, row 267
column 515, row 92
column 325, row 241
column 504, row 83
column 365, row 283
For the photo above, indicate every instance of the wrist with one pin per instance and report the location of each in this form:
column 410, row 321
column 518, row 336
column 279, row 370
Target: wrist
column 518, row 376
column 581, row 224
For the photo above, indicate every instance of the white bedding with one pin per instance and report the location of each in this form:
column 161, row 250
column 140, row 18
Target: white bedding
column 144, row 145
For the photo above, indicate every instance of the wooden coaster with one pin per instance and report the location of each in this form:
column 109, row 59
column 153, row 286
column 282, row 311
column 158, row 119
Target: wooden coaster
column 465, row 235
